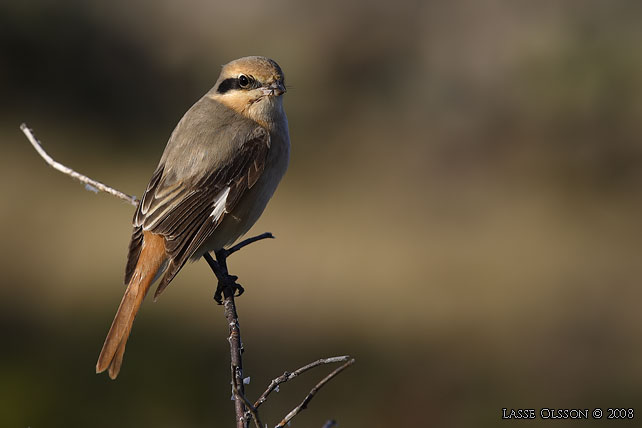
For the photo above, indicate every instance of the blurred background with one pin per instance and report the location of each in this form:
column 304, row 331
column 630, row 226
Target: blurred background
column 462, row 212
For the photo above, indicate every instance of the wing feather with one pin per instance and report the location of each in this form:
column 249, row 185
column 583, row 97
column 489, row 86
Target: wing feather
column 187, row 211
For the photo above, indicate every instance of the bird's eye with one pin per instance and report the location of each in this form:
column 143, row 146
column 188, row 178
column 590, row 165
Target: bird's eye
column 244, row 81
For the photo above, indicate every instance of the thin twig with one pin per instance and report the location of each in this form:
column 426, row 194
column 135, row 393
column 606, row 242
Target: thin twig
column 313, row 391
column 291, row 375
column 89, row 183
column 330, row 424
column 246, row 242
column 251, row 409
column 219, row 267
column 253, row 413
column 236, row 346
column 236, row 359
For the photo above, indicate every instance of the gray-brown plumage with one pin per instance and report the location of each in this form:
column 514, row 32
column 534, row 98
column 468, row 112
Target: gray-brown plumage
column 220, row 167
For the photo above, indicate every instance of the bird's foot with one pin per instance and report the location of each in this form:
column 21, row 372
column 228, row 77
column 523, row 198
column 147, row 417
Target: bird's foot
column 227, row 286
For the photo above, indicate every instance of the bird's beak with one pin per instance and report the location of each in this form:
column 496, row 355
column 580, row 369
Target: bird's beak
column 276, row 88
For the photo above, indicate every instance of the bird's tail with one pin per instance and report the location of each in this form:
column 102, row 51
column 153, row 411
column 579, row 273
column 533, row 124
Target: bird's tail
column 150, row 261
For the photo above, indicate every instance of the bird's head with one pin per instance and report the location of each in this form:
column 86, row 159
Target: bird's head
column 252, row 86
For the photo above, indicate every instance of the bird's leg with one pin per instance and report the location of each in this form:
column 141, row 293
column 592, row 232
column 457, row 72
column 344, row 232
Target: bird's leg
column 227, row 284
column 230, row 285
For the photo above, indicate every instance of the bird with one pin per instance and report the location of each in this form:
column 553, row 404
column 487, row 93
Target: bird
column 222, row 164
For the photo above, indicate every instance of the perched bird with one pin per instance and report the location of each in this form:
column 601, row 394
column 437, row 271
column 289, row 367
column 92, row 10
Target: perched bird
column 220, row 167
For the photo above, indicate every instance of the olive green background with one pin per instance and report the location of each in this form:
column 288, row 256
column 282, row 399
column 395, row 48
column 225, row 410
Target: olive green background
column 462, row 212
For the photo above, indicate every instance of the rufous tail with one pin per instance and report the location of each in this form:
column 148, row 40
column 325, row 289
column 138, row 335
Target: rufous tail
column 150, row 260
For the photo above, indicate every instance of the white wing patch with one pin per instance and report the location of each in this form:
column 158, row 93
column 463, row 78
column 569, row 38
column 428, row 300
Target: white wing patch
column 219, row 204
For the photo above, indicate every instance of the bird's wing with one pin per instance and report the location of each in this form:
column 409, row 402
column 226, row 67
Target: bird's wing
column 186, row 212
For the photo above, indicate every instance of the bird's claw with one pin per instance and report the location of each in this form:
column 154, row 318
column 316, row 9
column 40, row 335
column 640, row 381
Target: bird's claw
column 228, row 287
column 239, row 290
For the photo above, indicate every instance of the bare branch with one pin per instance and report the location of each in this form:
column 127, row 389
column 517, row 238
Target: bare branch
column 246, row 242
column 227, row 285
column 89, row 183
column 291, row 375
column 313, row 391
column 253, row 413
column 330, row 424
column 236, row 348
